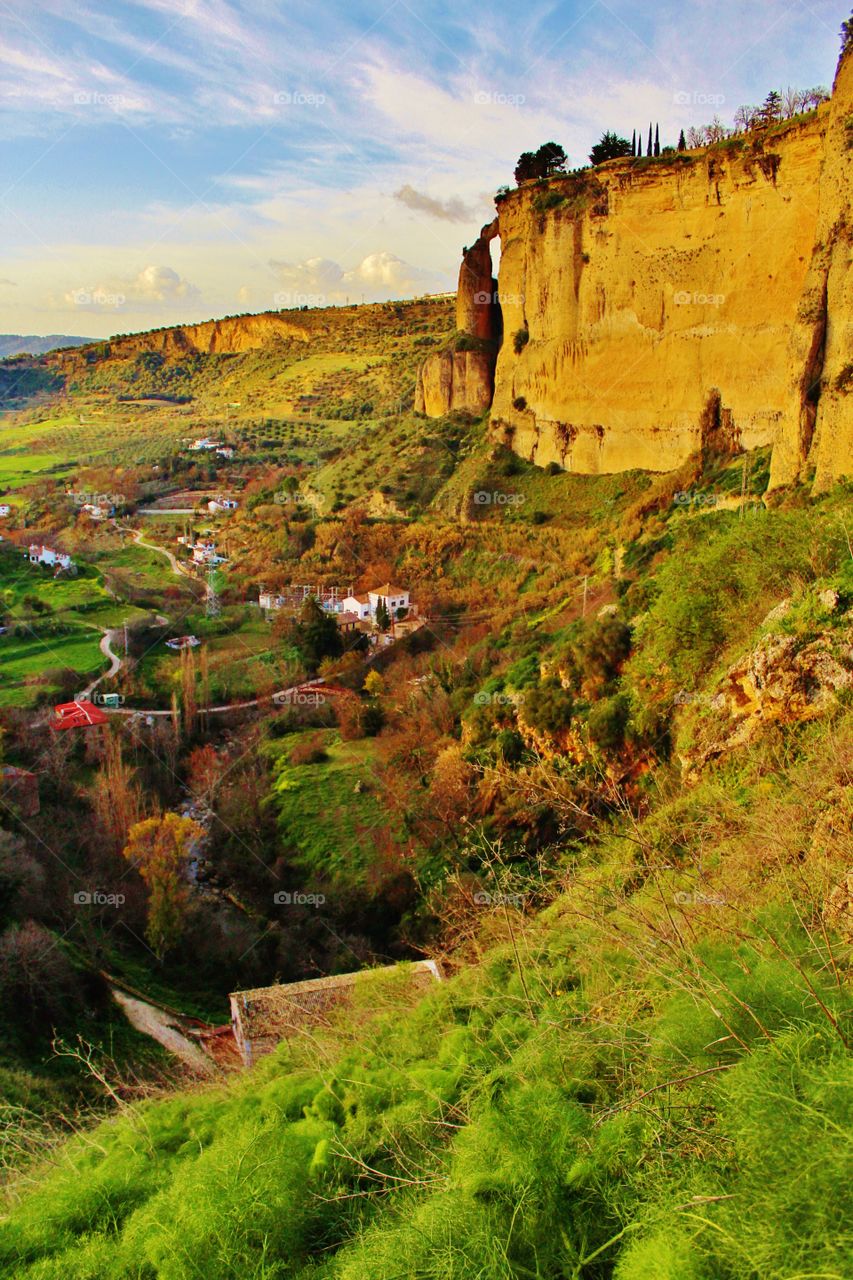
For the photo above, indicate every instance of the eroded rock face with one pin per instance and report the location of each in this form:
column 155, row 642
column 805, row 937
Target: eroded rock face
column 648, row 309
column 782, row 681
column 460, row 380
column 451, row 381
column 651, row 309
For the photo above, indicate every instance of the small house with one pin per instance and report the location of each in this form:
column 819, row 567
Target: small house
column 5, row 510
column 38, row 554
column 359, row 605
column 391, row 596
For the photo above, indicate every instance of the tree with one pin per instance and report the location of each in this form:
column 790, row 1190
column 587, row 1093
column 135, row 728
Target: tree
column 847, row 34
column 651, row 143
column 771, row 109
column 383, row 621
column 374, row 684
column 551, row 158
column 317, row 634
column 745, row 118
column 610, row 147
column 525, row 168
column 657, row 140
column 682, row 141
column 634, row 143
column 159, row 849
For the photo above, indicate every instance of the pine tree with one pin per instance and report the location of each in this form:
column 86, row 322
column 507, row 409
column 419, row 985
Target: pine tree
column 682, row 141
column 657, row 139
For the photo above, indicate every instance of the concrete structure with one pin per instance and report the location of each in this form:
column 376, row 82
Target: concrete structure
column 262, row 1018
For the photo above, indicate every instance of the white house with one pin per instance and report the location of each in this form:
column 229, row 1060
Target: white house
column 268, row 600
column 359, row 605
column 96, row 512
column 38, row 554
column 205, row 553
column 222, row 504
column 392, row 597
column 5, row 509
column 205, row 442
column 225, row 452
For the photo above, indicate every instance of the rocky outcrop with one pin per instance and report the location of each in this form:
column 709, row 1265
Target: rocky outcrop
column 461, row 378
column 782, row 681
column 655, row 307
column 452, row 381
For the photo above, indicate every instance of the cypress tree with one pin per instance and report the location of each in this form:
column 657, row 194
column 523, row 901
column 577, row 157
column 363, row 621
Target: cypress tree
column 634, row 143
column 682, row 141
column 649, row 149
column 657, row 139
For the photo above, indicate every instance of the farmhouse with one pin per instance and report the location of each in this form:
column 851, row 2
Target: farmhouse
column 222, row 504
column 392, row 597
column 38, row 554
column 5, row 510
column 359, row 605
column 198, row 446
column 262, row 1018
column 366, row 605
column 97, row 512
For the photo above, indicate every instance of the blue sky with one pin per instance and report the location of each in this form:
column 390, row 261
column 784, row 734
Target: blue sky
column 166, row 160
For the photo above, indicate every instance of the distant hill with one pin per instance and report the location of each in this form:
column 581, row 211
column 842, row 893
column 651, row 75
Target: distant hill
column 17, row 344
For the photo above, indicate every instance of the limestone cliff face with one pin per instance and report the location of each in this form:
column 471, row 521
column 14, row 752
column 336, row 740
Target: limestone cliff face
column 451, row 381
column 650, row 308
column 463, row 378
column 822, row 343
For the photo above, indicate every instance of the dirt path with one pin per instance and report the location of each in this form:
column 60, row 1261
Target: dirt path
column 157, row 1024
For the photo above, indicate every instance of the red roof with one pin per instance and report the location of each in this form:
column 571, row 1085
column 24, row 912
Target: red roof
column 77, row 715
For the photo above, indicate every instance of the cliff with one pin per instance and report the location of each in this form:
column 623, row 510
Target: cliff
column 461, row 378
column 654, row 307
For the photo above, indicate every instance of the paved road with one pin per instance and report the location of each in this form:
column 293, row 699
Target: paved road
column 115, row 662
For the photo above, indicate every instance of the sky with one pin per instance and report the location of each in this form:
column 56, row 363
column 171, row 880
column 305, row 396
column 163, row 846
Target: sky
column 166, row 161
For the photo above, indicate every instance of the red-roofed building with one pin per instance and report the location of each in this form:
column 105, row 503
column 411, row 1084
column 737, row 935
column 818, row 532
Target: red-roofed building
column 77, row 715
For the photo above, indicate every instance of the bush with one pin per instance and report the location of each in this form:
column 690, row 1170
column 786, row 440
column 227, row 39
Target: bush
column 520, row 339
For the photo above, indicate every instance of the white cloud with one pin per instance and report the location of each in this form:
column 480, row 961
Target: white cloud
column 154, row 285
column 380, row 276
